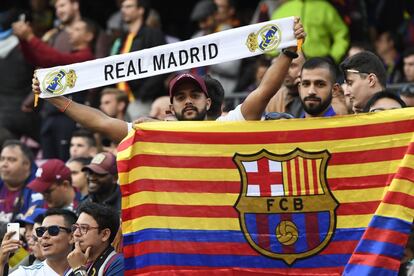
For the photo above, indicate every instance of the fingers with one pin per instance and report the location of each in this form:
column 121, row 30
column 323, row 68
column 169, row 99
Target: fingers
column 87, row 252
column 35, row 85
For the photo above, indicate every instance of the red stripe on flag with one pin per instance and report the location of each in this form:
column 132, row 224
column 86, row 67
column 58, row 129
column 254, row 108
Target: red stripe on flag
column 297, row 173
column 289, row 177
column 359, row 182
column 315, row 172
column 231, row 271
column 312, row 230
column 375, row 260
column 399, row 198
column 357, row 208
column 307, row 135
column 263, row 237
column 384, row 235
column 367, row 156
column 405, row 173
column 306, row 175
column 180, row 211
column 217, row 248
column 184, row 186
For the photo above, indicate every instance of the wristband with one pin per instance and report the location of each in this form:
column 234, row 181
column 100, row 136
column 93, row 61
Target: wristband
column 290, row 54
column 66, row 106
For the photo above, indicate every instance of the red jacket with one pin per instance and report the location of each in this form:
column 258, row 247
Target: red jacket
column 41, row 54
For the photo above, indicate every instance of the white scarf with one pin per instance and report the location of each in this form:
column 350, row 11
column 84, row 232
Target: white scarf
column 211, row 49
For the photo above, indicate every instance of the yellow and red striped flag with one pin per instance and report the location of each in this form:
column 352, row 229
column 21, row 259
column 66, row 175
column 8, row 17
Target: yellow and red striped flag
column 298, row 197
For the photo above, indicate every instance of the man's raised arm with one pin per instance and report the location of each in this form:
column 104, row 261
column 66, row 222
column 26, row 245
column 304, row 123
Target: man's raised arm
column 88, row 117
column 256, row 102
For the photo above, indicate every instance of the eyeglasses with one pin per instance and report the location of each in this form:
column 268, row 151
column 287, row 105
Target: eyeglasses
column 51, row 230
column 277, row 116
column 83, row 228
column 356, row 72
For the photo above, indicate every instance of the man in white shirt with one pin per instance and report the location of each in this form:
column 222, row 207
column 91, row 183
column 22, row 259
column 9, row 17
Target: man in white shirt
column 56, row 242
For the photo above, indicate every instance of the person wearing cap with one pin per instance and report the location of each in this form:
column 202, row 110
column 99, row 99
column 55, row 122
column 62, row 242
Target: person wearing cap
column 251, row 109
column 102, row 181
column 53, row 180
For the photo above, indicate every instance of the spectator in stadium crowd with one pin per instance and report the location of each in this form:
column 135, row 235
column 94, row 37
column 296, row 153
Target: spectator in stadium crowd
column 384, row 100
column 408, row 59
column 317, row 84
column 102, row 181
column 189, row 98
column 93, row 234
column 387, row 47
column 79, row 179
column 56, row 242
column 114, row 103
column 16, row 118
column 365, row 75
column 328, row 33
column 82, row 144
column 226, row 73
column 140, row 92
column 407, row 94
column 53, row 180
column 17, row 169
column 160, row 108
column 56, row 128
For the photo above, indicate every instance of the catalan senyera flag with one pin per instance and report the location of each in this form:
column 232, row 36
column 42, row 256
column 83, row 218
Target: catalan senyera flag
column 321, row 196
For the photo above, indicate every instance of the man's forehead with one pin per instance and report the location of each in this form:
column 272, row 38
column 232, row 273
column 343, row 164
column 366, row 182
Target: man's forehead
column 53, row 220
column 11, row 149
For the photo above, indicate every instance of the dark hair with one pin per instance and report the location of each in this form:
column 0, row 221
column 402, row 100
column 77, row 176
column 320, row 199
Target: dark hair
column 120, row 96
column 83, row 160
column 91, row 27
column 146, row 4
column 383, row 94
column 408, row 52
column 366, row 62
column 407, row 90
column 321, row 62
column 68, row 216
column 88, row 135
column 216, row 94
column 25, row 149
column 39, row 218
column 105, row 216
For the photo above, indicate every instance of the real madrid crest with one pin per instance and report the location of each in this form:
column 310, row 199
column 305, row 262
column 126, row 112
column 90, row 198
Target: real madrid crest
column 286, row 210
column 57, row 81
column 266, row 39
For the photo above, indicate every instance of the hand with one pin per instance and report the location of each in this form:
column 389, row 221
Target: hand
column 77, row 258
column 299, row 32
column 35, row 85
column 144, row 119
column 22, row 30
column 8, row 246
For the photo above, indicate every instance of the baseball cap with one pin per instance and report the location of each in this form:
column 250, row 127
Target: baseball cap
column 187, row 77
column 203, row 9
column 31, row 215
column 53, row 170
column 102, row 163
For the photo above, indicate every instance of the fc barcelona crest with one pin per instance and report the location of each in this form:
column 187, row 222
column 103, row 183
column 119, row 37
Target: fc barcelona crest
column 286, row 209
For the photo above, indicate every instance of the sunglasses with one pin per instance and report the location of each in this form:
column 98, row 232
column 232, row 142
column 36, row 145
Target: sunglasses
column 51, row 230
column 277, row 116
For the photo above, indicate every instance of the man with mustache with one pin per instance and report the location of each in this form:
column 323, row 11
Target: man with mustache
column 318, row 83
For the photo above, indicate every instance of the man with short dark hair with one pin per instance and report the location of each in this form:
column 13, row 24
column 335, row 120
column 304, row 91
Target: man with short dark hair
column 17, row 168
column 408, row 59
column 82, row 144
column 102, row 181
column 93, row 233
column 56, row 241
column 114, row 103
column 53, row 180
column 365, row 75
column 384, row 100
column 318, row 83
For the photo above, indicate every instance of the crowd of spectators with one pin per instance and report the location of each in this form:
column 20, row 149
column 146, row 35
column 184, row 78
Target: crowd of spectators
column 58, row 175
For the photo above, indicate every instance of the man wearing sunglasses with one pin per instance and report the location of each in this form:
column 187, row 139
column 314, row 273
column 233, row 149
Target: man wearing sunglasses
column 56, row 242
column 93, row 233
column 365, row 75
